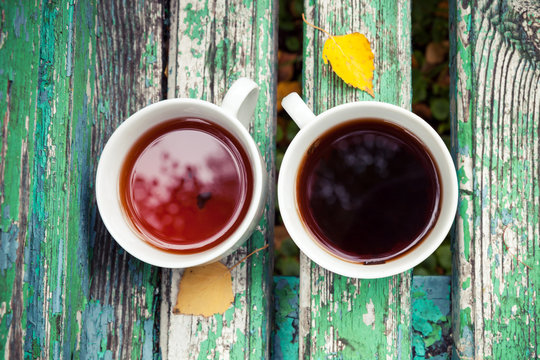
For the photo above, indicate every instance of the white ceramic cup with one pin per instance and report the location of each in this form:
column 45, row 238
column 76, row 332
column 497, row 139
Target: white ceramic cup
column 311, row 128
column 234, row 115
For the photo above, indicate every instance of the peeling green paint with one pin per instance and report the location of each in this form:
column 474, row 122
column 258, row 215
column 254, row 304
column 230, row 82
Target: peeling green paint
column 285, row 329
column 195, row 20
column 46, row 188
column 496, row 122
column 431, row 317
column 345, row 312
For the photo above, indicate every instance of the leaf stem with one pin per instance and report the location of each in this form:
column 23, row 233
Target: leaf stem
column 247, row 256
column 324, row 31
column 315, row 27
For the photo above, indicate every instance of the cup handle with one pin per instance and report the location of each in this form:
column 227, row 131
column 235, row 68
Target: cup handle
column 297, row 109
column 241, row 100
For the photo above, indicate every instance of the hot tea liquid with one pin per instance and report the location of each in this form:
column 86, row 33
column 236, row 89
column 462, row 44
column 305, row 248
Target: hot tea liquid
column 368, row 191
column 186, row 185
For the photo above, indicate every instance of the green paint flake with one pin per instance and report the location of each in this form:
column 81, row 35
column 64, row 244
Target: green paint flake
column 462, row 176
column 196, row 54
column 195, row 21
column 466, row 284
column 465, row 318
column 193, row 93
column 463, row 208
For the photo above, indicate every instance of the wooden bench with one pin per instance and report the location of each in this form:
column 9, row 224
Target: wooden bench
column 70, row 73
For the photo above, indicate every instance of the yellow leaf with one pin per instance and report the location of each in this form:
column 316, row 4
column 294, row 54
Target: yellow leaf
column 205, row 290
column 351, row 59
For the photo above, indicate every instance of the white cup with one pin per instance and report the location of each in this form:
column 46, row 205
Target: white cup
column 311, row 128
column 234, row 115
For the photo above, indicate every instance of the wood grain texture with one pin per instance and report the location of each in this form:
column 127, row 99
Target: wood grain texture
column 342, row 317
column 211, row 45
column 495, row 107
column 70, row 73
column 430, row 318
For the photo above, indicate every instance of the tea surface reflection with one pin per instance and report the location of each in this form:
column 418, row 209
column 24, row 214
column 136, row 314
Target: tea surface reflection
column 368, row 190
column 187, row 185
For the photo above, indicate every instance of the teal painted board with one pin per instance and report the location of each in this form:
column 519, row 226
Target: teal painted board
column 340, row 317
column 431, row 317
column 68, row 78
column 213, row 43
column 495, row 111
column 285, row 324
column 19, row 64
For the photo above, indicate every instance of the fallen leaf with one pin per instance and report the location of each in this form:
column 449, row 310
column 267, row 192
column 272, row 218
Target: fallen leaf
column 205, row 290
column 351, row 58
column 284, row 88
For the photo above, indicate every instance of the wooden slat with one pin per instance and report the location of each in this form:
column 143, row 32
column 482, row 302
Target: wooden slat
column 73, row 72
column 211, row 45
column 495, row 53
column 285, row 327
column 431, row 318
column 342, row 317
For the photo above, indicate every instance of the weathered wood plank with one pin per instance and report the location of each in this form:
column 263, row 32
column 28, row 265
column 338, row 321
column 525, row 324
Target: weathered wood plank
column 285, row 326
column 431, row 317
column 122, row 315
column 73, row 72
column 19, row 63
column 342, row 317
column 495, row 57
column 211, row 45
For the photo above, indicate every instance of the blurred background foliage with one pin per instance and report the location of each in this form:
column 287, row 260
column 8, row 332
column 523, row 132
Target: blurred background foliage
column 430, row 85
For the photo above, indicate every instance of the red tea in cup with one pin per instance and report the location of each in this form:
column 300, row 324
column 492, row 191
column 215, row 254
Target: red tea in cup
column 186, row 185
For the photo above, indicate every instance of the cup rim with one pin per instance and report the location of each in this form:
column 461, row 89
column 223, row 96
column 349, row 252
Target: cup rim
column 287, row 196
column 110, row 206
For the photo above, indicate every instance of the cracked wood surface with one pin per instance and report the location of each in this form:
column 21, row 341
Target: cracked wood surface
column 211, row 45
column 495, row 107
column 70, row 72
column 342, row 317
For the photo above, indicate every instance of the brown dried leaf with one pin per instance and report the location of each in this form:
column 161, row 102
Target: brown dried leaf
column 205, row 290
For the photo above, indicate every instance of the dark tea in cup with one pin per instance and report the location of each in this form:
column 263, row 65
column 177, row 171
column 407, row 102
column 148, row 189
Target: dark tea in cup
column 368, row 191
column 186, row 185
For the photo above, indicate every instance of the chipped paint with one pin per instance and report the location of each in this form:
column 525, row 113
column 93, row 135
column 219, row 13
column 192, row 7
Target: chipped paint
column 369, row 316
column 210, row 47
column 333, row 308
column 285, row 328
column 495, row 114
column 431, row 317
column 57, row 264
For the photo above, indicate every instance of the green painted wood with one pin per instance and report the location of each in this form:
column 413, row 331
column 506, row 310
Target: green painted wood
column 70, row 72
column 342, row 317
column 495, row 107
column 431, row 317
column 285, row 324
column 211, row 45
